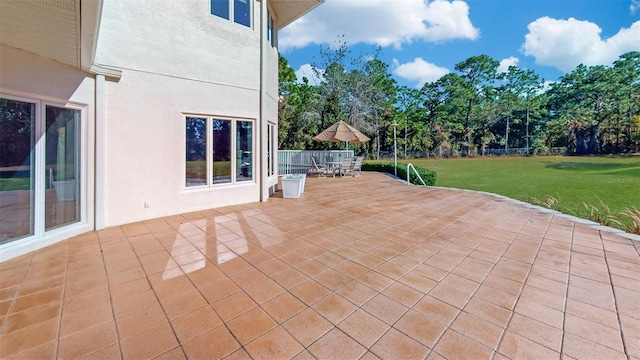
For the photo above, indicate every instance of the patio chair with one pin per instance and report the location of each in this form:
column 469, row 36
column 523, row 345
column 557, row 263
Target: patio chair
column 319, row 169
column 357, row 166
column 345, row 168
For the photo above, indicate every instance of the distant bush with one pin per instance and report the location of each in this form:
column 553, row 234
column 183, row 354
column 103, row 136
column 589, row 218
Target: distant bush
column 428, row 176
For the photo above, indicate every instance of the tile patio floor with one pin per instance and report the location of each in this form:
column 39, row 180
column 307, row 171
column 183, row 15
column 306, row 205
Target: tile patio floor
column 356, row 268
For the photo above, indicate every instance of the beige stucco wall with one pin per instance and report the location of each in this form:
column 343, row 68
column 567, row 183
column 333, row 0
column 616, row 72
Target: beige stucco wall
column 176, row 60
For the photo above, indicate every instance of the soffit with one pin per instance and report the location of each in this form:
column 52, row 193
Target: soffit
column 288, row 11
column 48, row 28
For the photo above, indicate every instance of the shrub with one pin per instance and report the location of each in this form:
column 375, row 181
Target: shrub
column 427, row 175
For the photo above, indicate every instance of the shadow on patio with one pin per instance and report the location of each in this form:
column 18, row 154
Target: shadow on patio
column 355, row 268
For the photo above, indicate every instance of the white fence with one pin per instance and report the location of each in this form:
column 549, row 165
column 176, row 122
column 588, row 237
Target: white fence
column 299, row 161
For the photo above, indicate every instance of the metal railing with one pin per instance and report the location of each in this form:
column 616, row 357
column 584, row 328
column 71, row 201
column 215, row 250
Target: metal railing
column 299, row 161
column 409, row 167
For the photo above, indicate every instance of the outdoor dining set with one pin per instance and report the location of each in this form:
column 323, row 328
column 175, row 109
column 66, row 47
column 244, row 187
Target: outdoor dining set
column 350, row 166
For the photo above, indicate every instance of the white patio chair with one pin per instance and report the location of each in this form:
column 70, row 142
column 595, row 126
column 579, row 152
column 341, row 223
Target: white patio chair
column 357, row 166
column 345, row 168
column 320, row 169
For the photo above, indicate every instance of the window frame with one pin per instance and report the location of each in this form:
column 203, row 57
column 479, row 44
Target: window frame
column 234, row 178
column 231, row 12
column 38, row 228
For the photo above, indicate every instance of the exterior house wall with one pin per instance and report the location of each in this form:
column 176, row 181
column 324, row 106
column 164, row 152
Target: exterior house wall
column 180, row 60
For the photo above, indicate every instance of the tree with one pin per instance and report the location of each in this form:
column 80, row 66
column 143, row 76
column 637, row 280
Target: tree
column 479, row 73
column 519, row 92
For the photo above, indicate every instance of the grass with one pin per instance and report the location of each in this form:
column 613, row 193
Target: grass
column 604, row 188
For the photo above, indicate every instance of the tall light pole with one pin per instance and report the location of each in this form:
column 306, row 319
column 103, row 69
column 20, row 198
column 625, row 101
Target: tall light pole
column 395, row 151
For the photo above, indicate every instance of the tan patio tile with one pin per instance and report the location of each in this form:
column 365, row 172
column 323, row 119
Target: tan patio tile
column 148, row 344
column 218, row 289
column 581, row 348
column 403, row 294
column 552, row 300
column 264, row 291
column 290, row 278
column 28, row 337
column 249, row 277
column 85, row 342
column 332, row 279
column 195, row 323
column 375, row 280
column 334, row 308
column 174, row 354
column 140, row 321
column 503, row 284
column 311, row 268
column 44, row 351
column 540, row 312
column 482, row 331
column 537, row 331
column 489, row 311
column 385, row 309
column 356, row 292
column 283, row 307
column 33, row 300
column 83, row 319
column 437, row 310
column 497, row 297
column 307, row 326
column 213, row 344
column 396, row 345
column 38, row 314
column 420, row 327
column 250, row 325
column 514, row 346
column 34, row 284
column 275, row 344
column 233, row 305
column 273, row 267
column 336, row 345
column 454, row 345
column 363, row 327
column 603, row 300
column 594, row 332
column 310, row 291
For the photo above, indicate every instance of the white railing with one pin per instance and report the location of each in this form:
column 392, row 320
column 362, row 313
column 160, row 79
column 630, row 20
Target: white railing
column 299, row 161
column 409, row 167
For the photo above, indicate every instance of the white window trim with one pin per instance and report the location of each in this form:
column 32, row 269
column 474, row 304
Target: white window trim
column 232, row 13
column 209, row 150
column 42, row 237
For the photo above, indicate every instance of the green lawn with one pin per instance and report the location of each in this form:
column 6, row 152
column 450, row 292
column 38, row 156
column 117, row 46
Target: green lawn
column 573, row 181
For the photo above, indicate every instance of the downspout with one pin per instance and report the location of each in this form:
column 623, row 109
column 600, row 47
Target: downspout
column 100, row 150
column 264, row 181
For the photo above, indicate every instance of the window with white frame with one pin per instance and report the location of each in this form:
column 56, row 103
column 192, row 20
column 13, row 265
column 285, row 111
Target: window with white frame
column 271, row 30
column 239, row 11
column 271, row 149
column 218, row 151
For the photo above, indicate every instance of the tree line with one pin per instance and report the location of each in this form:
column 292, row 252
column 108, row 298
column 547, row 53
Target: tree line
column 476, row 108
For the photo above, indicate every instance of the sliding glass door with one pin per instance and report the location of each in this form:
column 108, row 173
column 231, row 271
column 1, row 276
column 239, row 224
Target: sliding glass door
column 39, row 167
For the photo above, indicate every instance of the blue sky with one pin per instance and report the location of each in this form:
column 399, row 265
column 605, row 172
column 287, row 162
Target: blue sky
column 422, row 40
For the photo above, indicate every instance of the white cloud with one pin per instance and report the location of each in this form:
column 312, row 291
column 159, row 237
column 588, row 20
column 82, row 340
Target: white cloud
column 306, row 70
column 505, row 63
column 419, row 71
column 380, row 22
column 635, row 6
column 565, row 44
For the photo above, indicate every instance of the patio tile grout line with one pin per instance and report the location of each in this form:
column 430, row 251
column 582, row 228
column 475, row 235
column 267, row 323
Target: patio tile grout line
column 113, row 312
column 615, row 300
column 513, row 311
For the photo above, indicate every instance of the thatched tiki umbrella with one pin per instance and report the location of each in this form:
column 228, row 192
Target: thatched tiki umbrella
column 341, row 131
